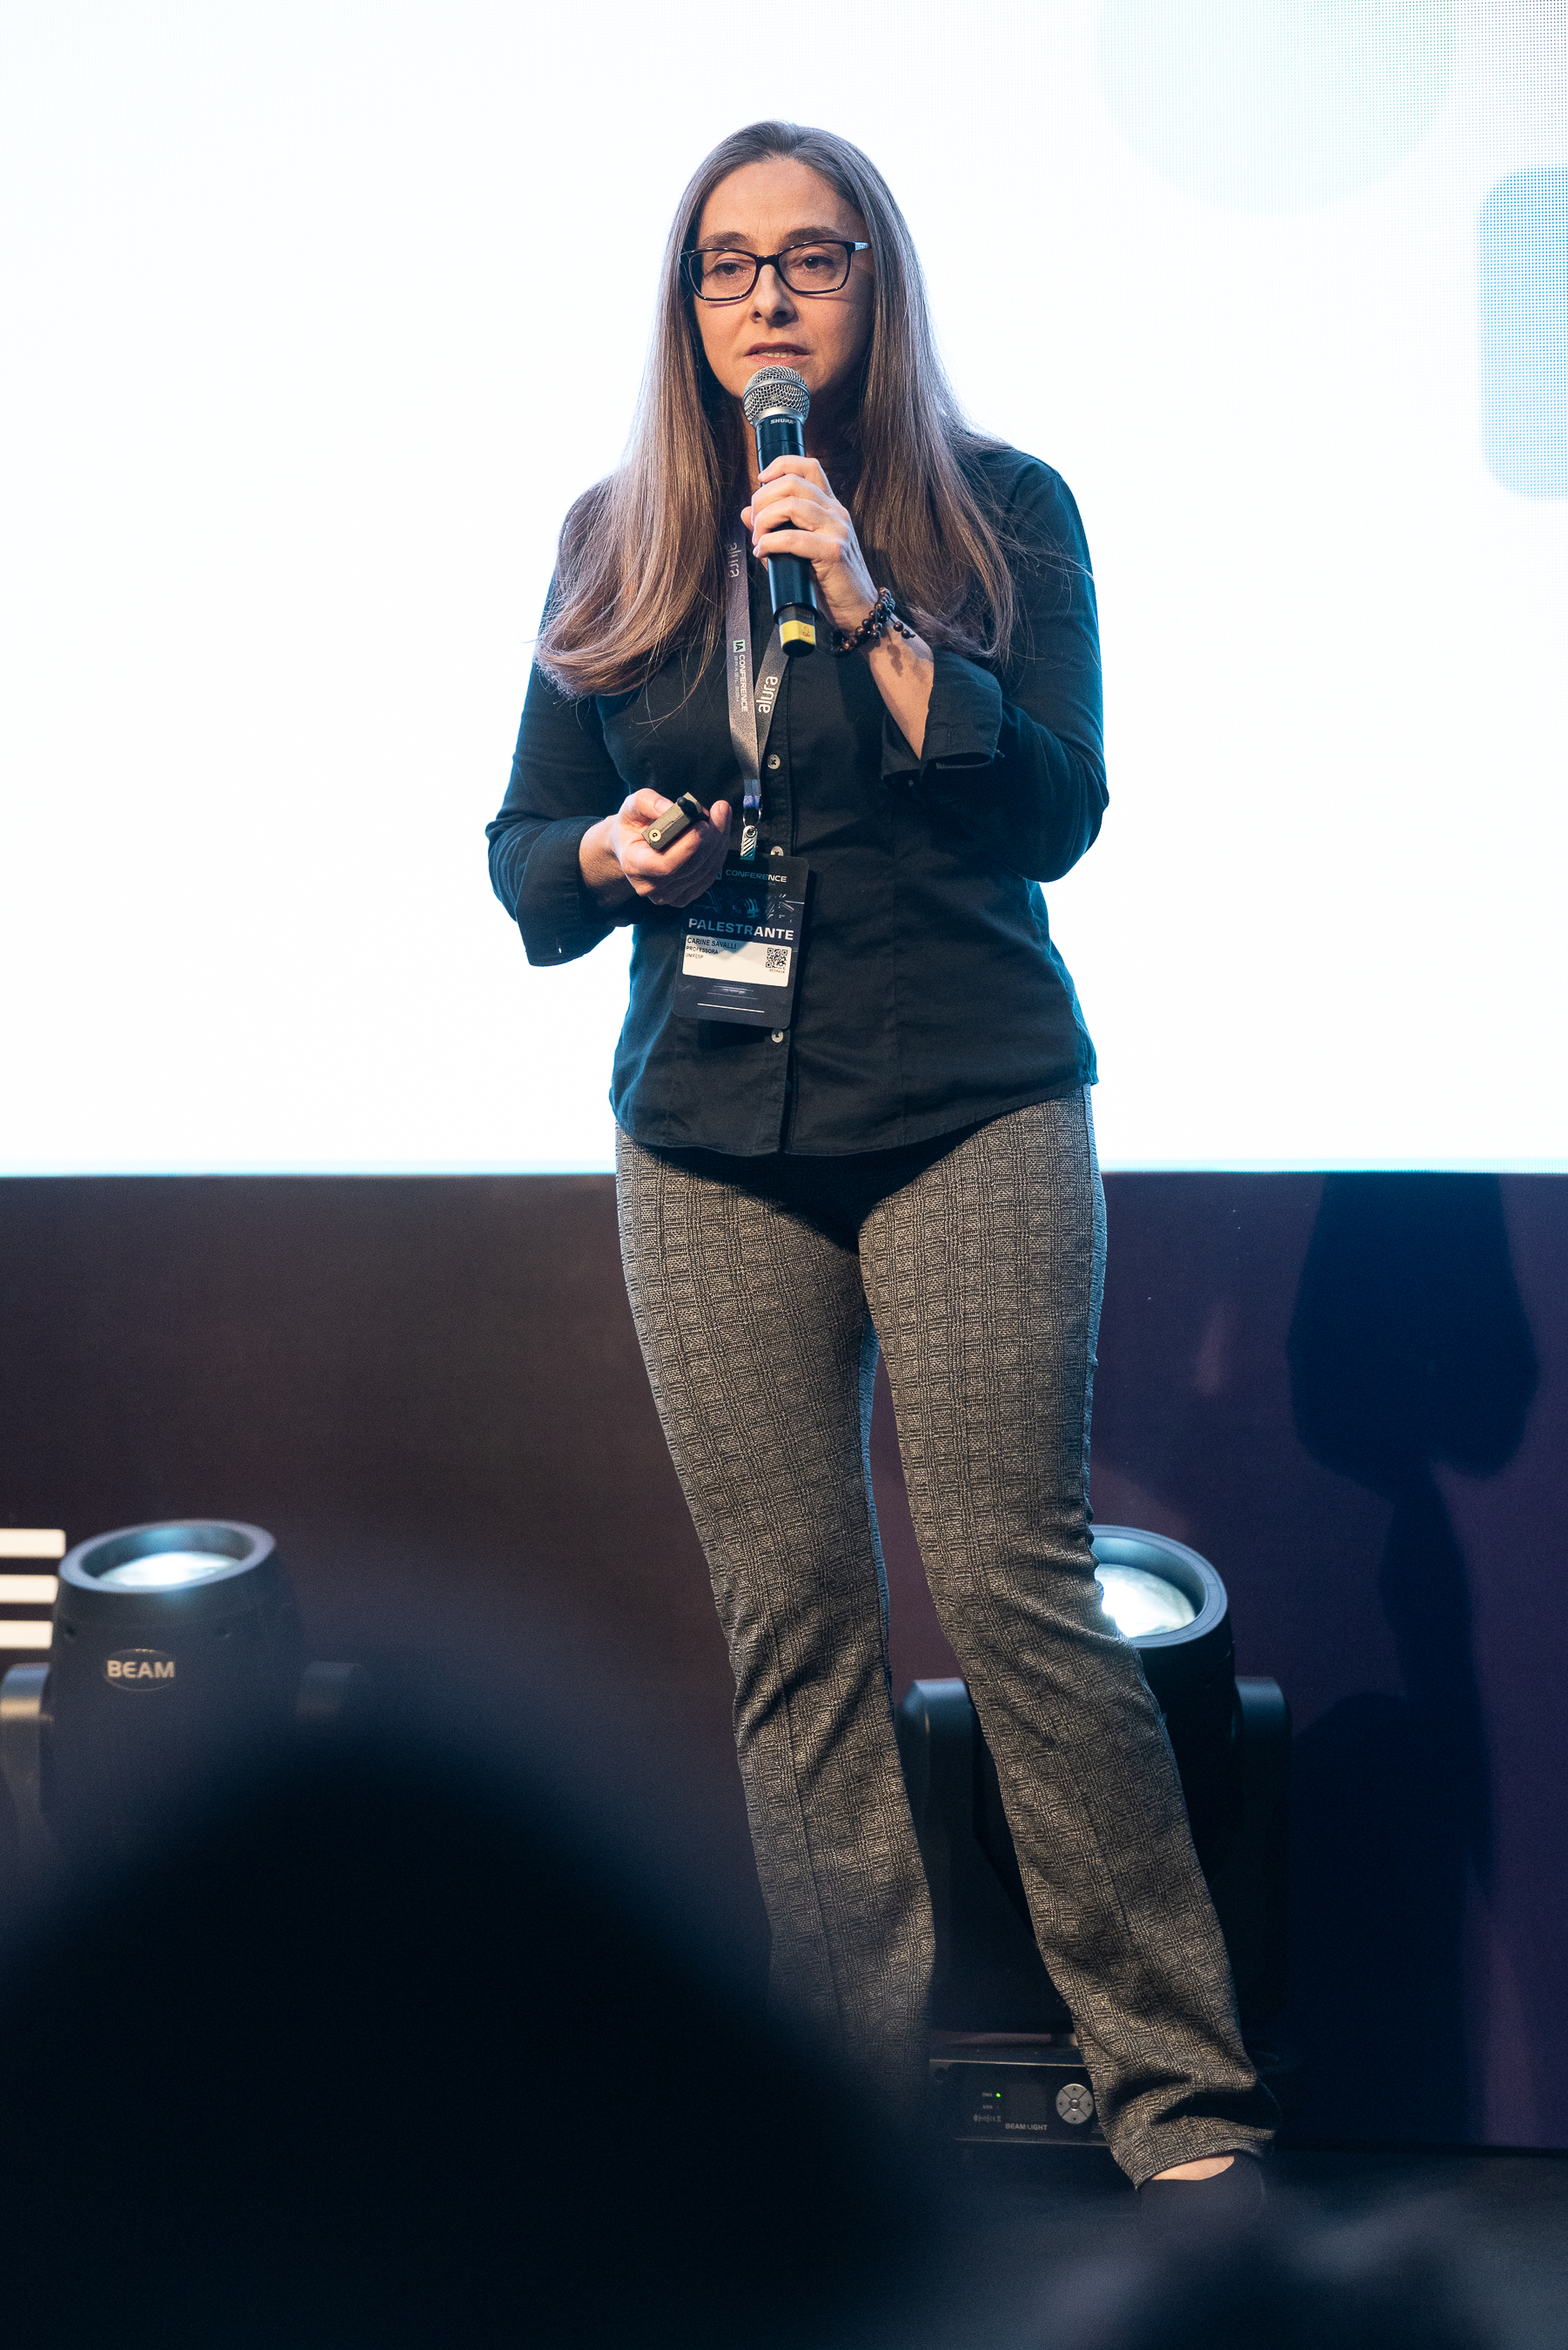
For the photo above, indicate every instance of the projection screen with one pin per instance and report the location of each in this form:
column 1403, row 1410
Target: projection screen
column 294, row 406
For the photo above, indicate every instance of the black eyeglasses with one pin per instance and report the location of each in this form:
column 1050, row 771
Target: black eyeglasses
column 721, row 273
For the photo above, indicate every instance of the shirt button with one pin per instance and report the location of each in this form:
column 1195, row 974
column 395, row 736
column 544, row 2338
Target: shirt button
column 776, row 852
column 773, row 758
column 778, row 1035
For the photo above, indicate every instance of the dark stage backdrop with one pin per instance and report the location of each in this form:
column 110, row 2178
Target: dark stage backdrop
column 1349, row 1392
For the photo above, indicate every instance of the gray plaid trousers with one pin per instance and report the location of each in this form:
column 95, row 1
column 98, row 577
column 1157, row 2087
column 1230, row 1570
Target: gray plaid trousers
column 760, row 1291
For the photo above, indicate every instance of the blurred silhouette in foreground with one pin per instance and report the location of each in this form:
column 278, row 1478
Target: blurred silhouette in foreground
column 1290, row 2284
column 388, row 2043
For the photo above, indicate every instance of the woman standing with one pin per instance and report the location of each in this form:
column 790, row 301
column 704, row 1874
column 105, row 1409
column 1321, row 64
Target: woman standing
column 904, row 1156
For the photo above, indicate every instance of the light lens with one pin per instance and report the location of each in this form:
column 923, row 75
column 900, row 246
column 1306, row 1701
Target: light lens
column 165, row 1570
column 1138, row 1603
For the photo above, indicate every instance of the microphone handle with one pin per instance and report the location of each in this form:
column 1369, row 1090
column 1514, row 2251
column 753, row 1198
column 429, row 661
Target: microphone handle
column 790, row 577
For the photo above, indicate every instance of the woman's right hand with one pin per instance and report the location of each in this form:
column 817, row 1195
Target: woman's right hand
column 616, row 862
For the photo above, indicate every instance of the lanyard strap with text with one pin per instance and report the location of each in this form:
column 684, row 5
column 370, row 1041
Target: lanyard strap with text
column 751, row 708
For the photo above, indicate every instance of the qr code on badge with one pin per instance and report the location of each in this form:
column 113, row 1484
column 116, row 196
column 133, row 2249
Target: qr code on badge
column 778, row 958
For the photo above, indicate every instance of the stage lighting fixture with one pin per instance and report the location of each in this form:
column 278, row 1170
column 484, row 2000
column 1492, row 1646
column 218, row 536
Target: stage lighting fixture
column 1231, row 1743
column 175, row 1645
column 166, row 1570
column 1138, row 1603
column 1171, row 1605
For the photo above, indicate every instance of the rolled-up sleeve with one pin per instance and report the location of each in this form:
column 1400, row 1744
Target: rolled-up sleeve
column 563, row 781
column 1016, row 756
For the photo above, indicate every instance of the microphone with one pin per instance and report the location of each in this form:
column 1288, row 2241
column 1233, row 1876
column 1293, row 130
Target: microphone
column 775, row 403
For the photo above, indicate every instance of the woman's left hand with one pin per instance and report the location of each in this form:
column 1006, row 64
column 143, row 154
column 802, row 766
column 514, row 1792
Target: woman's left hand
column 794, row 512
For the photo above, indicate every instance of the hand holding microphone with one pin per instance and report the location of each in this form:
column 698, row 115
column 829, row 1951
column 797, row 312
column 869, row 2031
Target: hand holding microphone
column 793, row 505
column 776, row 402
column 798, row 526
column 807, row 540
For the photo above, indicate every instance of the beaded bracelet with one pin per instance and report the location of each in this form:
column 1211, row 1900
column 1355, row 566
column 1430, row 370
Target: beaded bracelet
column 882, row 617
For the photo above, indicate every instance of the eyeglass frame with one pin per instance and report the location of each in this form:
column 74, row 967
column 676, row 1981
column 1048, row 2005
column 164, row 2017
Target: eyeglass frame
column 771, row 261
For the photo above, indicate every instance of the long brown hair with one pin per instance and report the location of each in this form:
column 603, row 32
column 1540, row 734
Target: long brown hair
column 640, row 571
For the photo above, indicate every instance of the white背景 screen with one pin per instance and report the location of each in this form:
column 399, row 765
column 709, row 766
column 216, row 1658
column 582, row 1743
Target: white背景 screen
column 299, row 388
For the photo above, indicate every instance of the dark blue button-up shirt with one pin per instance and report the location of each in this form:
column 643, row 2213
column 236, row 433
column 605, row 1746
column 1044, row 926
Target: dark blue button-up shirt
column 930, row 995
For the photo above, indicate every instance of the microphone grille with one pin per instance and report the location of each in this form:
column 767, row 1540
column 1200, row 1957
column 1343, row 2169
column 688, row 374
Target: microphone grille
column 776, row 391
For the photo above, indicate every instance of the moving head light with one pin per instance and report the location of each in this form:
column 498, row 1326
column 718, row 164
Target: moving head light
column 1231, row 1743
column 175, row 1645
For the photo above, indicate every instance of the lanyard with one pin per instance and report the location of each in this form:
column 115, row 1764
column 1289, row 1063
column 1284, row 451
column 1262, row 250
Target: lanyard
column 751, row 708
